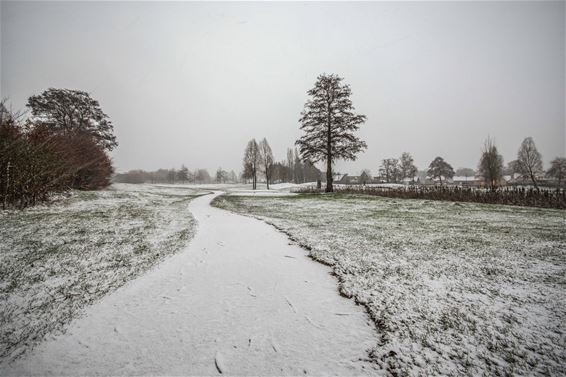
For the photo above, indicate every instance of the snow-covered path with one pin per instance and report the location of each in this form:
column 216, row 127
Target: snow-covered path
column 238, row 299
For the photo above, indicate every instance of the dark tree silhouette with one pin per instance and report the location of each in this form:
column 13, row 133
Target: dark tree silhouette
column 407, row 166
column 329, row 122
column 557, row 169
column 266, row 160
column 491, row 165
column 439, row 168
column 251, row 162
column 529, row 160
column 72, row 111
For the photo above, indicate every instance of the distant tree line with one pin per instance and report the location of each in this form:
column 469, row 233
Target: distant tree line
column 63, row 145
column 172, row 176
column 527, row 168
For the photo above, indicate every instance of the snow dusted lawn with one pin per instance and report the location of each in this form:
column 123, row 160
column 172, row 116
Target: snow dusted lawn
column 55, row 260
column 453, row 288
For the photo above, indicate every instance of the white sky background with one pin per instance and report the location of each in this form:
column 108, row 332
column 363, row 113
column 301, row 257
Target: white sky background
column 193, row 82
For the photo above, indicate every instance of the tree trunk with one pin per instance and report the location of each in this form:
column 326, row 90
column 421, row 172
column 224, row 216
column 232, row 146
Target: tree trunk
column 254, row 179
column 329, row 187
column 534, row 180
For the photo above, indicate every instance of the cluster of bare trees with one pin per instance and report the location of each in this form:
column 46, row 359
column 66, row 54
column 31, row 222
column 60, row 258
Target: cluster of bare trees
column 258, row 159
column 527, row 166
column 394, row 170
column 172, row 176
column 259, row 163
column 62, row 145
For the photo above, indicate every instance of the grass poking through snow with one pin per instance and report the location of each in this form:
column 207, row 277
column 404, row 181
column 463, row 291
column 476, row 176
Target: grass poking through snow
column 56, row 259
column 453, row 288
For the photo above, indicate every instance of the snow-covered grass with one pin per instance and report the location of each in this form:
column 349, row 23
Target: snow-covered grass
column 56, row 259
column 453, row 288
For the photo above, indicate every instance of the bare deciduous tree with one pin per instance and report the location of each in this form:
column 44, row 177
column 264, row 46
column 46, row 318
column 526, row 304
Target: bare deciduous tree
column 557, row 169
column 490, row 166
column 290, row 164
column 266, row 160
column 407, row 166
column 389, row 170
column 529, row 160
column 251, row 162
column 329, row 123
column 365, row 177
column 221, row 175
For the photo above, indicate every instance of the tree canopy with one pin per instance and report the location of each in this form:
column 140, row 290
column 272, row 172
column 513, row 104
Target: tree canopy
column 72, row 111
column 439, row 168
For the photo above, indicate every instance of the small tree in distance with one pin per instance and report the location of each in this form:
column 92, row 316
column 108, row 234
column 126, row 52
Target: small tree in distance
column 407, row 166
column 266, row 160
column 491, row 164
column 365, row 177
column 251, row 162
column 529, row 160
column 390, row 170
column 465, row 172
column 557, row 169
column 439, row 168
column 183, row 174
column 329, row 122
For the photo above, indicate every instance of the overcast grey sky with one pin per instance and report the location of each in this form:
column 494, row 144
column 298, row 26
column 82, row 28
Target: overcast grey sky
column 193, row 82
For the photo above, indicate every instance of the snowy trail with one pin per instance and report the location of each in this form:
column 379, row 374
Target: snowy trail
column 239, row 300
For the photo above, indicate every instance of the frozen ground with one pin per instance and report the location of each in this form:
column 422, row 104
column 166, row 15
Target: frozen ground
column 453, row 288
column 239, row 300
column 57, row 259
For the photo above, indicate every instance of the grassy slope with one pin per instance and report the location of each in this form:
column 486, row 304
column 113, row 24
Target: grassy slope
column 453, row 288
column 55, row 260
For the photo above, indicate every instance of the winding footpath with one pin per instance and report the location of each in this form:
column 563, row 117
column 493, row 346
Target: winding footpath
column 239, row 300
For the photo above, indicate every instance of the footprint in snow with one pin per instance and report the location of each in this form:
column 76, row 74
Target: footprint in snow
column 312, row 322
column 219, row 362
column 275, row 346
column 290, row 304
column 251, row 292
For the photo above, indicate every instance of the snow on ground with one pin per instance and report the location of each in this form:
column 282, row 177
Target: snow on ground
column 453, row 288
column 239, row 300
column 56, row 259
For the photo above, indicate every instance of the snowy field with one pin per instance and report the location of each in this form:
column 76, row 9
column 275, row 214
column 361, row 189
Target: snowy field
column 56, row 259
column 453, row 288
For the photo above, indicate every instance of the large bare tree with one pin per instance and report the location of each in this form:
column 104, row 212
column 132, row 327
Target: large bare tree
column 529, row 160
column 329, row 122
column 266, row 160
column 251, row 161
column 491, row 164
